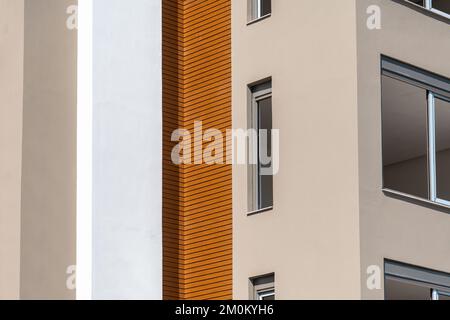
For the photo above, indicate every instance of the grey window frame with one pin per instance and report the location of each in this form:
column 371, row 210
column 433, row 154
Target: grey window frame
column 438, row 282
column 257, row 91
column 262, row 286
column 437, row 87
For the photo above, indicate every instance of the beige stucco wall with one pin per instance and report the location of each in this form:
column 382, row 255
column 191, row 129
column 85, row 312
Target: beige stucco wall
column 311, row 238
column 11, row 83
column 49, row 151
column 393, row 228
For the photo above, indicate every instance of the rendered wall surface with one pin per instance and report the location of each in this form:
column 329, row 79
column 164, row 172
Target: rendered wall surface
column 310, row 240
column 11, row 96
column 395, row 228
column 49, row 151
column 127, row 172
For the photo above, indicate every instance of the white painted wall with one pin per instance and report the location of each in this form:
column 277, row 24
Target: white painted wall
column 127, row 150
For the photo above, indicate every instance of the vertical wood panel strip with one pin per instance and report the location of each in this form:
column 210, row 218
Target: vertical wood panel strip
column 197, row 214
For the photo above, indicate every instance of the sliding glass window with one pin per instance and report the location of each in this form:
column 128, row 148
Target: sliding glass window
column 416, row 132
column 404, row 110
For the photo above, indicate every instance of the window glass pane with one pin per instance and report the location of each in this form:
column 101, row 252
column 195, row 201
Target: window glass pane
column 442, row 5
column 266, row 7
column 265, row 152
column 404, row 114
column 419, row 2
column 399, row 289
column 443, row 149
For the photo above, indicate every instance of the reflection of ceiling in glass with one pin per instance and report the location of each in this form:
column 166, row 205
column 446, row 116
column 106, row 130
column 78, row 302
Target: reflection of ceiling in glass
column 404, row 116
column 403, row 290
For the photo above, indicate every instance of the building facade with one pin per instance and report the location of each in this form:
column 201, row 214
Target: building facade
column 258, row 149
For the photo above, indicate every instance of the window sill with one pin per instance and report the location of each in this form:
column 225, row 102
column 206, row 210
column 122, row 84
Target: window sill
column 252, row 213
column 417, row 200
column 259, row 19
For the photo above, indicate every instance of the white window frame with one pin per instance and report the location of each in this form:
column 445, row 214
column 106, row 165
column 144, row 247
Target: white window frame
column 436, row 294
column 432, row 147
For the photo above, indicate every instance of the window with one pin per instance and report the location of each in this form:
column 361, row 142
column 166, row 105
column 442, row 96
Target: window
column 258, row 9
column 416, row 132
column 442, row 135
column 262, row 287
column 441, row 7
column 406, row 282
column 260, row 147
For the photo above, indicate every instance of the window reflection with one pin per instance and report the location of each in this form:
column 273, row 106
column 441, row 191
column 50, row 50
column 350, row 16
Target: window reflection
column 404, row 114
column 442, row 112
column 441, row 5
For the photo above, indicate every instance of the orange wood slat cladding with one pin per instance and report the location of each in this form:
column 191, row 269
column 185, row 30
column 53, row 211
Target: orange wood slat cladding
column 197, row 202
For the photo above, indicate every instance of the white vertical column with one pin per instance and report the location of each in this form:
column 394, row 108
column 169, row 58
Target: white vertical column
column 127, row 149
column 84, row 152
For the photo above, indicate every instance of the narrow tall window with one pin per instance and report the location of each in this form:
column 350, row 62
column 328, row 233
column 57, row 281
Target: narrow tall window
column 416, row 132
column 260, row 171
column 258, row 9
column 262, row 287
